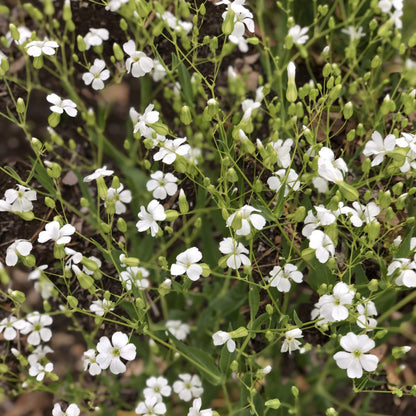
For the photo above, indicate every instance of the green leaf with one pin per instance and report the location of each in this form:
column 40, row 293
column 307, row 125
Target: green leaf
column 184, row 80
column 298, row 322
column 318, row 274
column 404, row 249
column 44, row 179
column 200, row 359
column 225, row 361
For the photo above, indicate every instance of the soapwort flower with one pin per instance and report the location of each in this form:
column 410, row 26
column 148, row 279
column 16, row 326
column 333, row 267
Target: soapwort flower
column 299, row 34
column 138, row 63
column 354, row 359
column 222, row 337
column 186, row 263
column 379, row 147
column 291, row 342
column 178, row 329
column 151, row 406
column 54, row 231
column 18, row 200
column 188, row 387
column 95, row 37
column 96, row 75
column 19, row 247
column 157, row 387
column 236, row 253
column 280, row 277
column 37, row 48
column 141, row 121
column 248, row 219
column 99, row 173
column 37, row 328
column 323, row 245
column 155, row 212
column 71, row 410
column 195, row 410
column 162, row 184
column 60, row 105
column 111, row 352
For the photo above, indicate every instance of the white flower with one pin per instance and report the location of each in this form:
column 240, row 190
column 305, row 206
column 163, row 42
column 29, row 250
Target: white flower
column 10, row 324
column 323, row 217
column 53, row 231
column 354, row 360
column 353, row 33
column 19, row 200
column 282, row 149
column 19, row 247
column 60, row 105
column 74, row 258
column 39, row 371
column 98, row 173
column 178, row 329
column 186, row 263
column 362, row 213
column 36, row 326
column 101, row 307
column 162, row 184
column 155, row 212
column 330, row 169
column 236, row 253
column 267, row 370
column 170, row 149
column 151, row 406
column 323, row 245
column 195, row 410
column 136, row 276
column 248, row 219
column 96, row 75
column 299, row 34
column 379, row 147
column 71, row 410
column 90, row 363
column 138, row 63
column 158, row 71
column 188, row 387
column 407, row 272
column 24, row 33
column 289, row 179
column 174, row 23
column 222, row 337
column 280, row 277
column 95, row 37
column 119, row 197
column 38, row 47
column 386, row 5
column 248, row 107
column 114, row 5
column 157, row 387
column 141, row 121
column 110, row 352
column 366, row 310
column 331, row 308
column 291, row 71
column 39, row 353
column 291, row 343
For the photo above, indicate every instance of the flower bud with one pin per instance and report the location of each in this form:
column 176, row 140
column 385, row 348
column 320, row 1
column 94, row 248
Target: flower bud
column 20, row 105
column 295, row 391
column 348, row 191
column 14, row 32
column 17, row 296
column 130, row 261
column 239, row 333
column 273, row 404
column 373, row 285
column 185, row 115
column 291, row 92
column 228, row 23
column 348, row 110
column 121, row 225
column 72, row 301
column 82, row 47
column 53, row 169
column 183, row 203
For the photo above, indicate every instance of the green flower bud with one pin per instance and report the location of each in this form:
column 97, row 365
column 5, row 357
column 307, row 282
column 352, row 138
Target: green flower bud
column 130, row 261
column 59, row 251
column 20, row 106
column 48, row 7
column 335, row 92
column 308, row 254
column 384, row 199
column 331, row 412
column 273, row 404
column 348, row 191
column 397, row 188
column 67, row 12
column 185, row 115
column 373, row 230
column 27, row 216
column 373, row 285
column 17, row 296
column 348, row 110
column 54, row 119
column 295, row 391
column 89, row 264
column 269, row 309
column 123, row 25
column 183, row 203
column 121, row 225
column 376, row 62
column 4, row 277
column 171, row 215
column 82, row 47
column 72, row 301
column 84, row 280
column 118, row 52
column 160, row 128
column 14, row 32
column 53, row 169
column 228, row 23
column 239, row 333
column 105, row 228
